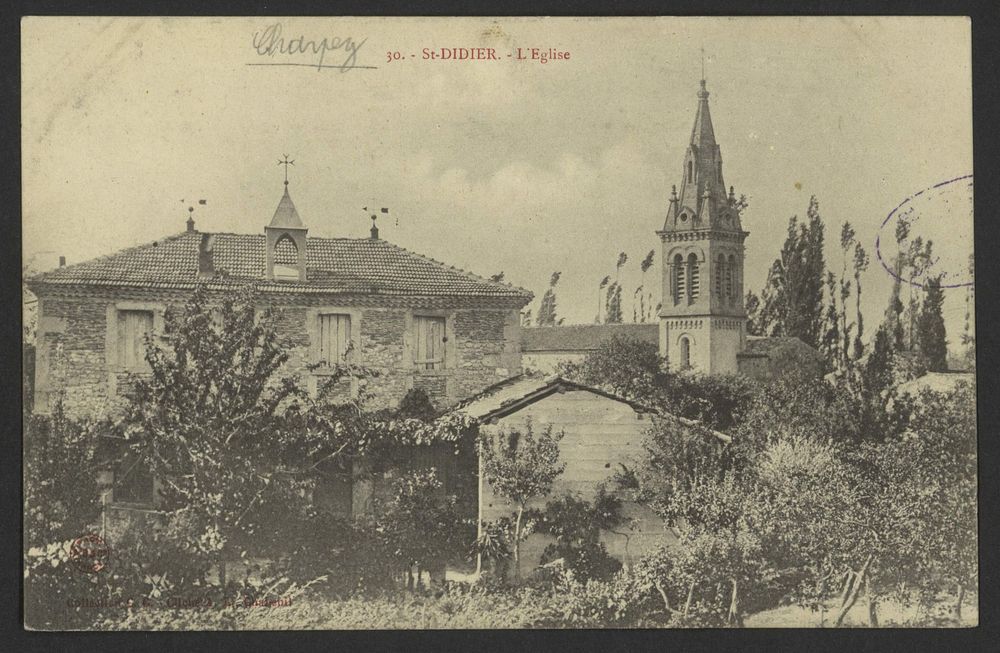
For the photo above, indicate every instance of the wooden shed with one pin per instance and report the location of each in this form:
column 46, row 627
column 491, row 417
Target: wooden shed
column 601, row 432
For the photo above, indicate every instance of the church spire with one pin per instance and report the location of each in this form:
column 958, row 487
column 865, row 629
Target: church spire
column 702, row 134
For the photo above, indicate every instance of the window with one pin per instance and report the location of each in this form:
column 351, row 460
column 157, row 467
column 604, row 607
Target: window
column 692, row 277
column 731, row 278
column 685, row 353
column 334, row 338
column 132, row 329
column 720, row 275
column 679, row 277
column 133, row 482
column 719, row 173
column 429, row 342
column 690, row 175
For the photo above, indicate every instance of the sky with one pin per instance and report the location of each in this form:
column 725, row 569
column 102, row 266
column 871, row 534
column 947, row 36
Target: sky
column 508, row 165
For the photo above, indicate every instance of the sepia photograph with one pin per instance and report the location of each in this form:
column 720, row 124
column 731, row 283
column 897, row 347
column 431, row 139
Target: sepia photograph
column 359, row 323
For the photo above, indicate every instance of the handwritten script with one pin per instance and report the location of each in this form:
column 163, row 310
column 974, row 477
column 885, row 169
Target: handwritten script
column 270, row 43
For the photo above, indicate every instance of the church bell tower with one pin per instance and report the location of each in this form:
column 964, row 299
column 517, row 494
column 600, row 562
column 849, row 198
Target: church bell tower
column 702, row 317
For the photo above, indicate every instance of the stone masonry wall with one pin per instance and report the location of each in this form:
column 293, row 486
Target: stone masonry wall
column 483, row 348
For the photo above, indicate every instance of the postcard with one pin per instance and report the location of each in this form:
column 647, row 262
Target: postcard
column 430, row 323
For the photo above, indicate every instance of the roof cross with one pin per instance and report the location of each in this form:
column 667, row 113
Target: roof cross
column 286, row 163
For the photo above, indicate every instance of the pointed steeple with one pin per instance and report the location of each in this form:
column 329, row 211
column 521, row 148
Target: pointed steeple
column 285, row 239
column 285, row 216
column 702, row 134
column 701, row 177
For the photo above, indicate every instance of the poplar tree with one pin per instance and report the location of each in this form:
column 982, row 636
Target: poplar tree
column 931, row 337
column 793, row 295
column 547, row 309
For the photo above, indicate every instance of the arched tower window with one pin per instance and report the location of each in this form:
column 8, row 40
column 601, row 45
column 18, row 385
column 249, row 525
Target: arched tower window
column 731, row 279
column 685, row 347
column 690, row 176
column 720, row 273
column 692, row 265
column 285, row 251
column 680, row 287
column 718, row 174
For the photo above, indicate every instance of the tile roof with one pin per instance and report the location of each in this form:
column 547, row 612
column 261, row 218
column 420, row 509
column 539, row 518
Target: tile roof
column 584, row 337
column 333, row 265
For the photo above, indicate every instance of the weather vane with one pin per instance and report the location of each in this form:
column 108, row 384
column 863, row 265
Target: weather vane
column 703, row 61
column 285, row 162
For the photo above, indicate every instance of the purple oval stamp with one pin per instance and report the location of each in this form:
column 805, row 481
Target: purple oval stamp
column 941, row 214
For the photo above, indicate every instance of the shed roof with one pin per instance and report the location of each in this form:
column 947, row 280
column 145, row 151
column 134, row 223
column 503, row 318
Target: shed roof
column 515, row 393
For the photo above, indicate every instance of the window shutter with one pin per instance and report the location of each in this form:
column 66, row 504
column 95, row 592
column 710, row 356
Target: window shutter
column 334, row 338
column 132, row 329
column 429, row 340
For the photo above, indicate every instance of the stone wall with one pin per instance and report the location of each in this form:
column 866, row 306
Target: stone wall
column 483, row 347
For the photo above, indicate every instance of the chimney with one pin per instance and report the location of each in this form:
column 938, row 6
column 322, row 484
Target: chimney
column 190, row 220
column 206, row 267
column 374, row 232
column 62, row 261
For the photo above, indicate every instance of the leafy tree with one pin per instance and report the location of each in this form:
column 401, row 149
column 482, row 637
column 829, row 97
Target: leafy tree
column 969, row 326
column 919, row 259
column 860, row 265
column 644, row 267
column 793, row 295
column 207, row 421
column 498, row 277
column 931, row 337
column 626, row 366
column 521, row 465
column 419, row 526
column 752, row 305
column 943, row 427
column 600, row 293
column 613, row 305
column 235, row 445
column 62, row 461
column 576, row 525
column 415, row 404
column 547, row 309
column 894, row 311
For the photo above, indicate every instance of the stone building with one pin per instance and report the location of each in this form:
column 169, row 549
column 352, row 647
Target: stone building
column 544, row 349
column 702, row 318
column 418, row 322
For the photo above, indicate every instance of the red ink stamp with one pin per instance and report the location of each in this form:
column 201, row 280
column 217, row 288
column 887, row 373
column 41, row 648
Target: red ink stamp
column 90, row 553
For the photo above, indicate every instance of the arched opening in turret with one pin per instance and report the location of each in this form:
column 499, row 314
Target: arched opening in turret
column 692, row 265
column 286, row 259
column 690, row 175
